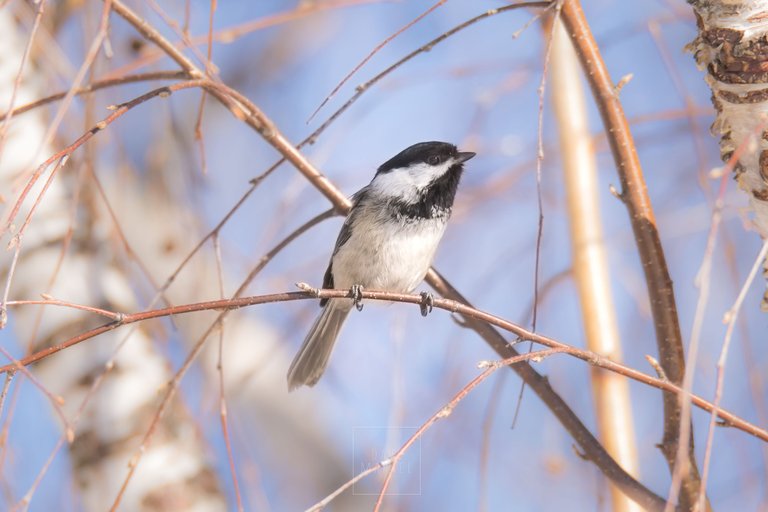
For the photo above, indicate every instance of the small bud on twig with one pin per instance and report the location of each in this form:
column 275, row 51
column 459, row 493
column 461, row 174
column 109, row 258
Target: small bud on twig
column 624, row 81
column 656, row 366
column 307, row 288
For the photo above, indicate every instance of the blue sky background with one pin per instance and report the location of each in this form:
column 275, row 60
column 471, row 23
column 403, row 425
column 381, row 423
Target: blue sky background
column 392, row 368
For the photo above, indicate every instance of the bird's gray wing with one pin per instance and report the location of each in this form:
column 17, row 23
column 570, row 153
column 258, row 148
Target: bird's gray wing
column 344, row 235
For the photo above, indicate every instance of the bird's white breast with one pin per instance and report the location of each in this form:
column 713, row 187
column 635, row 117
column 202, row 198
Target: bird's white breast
column 386, row 254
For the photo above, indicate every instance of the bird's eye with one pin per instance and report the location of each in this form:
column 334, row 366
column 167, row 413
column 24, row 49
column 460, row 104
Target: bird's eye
column 433, row 160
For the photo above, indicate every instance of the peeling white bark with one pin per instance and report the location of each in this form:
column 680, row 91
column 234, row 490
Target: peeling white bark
column 732, row 47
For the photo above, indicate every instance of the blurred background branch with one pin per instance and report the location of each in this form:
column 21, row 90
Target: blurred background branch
column 613, row 405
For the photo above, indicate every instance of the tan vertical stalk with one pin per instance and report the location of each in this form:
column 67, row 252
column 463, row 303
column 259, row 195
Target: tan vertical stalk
column 590, row 267
column 634, row 194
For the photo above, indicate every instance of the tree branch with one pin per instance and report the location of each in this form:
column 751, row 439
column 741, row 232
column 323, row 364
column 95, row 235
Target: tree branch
column 470, row 314
column 634, row 194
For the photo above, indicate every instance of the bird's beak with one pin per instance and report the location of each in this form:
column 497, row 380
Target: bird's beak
column 464, row 156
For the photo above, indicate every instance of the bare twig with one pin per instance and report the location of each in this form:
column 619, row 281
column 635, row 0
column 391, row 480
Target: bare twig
column 702, row 282
column 17, row 83
column 7, row 287
column 90, row 58
column 443, row 412
column 362, row 88
column 371, row 54
column 6, row 426
column 50, row 301
column 446, row 410
column 186, row 43
column 539, row 202
column 55, row 400
column 95, row 86
column 549, row 285
column 223, row 412
column 320, row 505
column 485, row 443
column 555, row 20
column 453, row 306
column 673, row 71
column 730, row 318
column 24, row 502
column 4, row 394
column 61, row 156
column 230, row 34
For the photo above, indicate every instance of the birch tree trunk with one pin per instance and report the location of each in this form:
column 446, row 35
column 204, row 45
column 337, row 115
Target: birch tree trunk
column 732, row 47
column 107, row 415
column 112, row 385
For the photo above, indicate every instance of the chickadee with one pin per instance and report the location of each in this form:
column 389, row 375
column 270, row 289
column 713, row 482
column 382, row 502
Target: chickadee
column 386, row 243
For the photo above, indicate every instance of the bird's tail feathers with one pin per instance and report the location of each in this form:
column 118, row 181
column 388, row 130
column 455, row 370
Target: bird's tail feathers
column 310, row 362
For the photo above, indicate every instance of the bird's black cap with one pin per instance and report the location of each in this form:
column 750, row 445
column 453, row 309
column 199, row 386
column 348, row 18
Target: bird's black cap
column 433, row 153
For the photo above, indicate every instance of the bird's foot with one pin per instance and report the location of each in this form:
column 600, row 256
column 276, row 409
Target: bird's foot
column 427, row 301
column 357, row 296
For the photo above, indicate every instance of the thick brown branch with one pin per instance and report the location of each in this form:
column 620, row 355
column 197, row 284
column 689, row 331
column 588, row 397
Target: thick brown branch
column 635, row 196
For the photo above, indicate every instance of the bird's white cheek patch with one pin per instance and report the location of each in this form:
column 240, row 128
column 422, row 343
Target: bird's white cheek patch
column 407, row 183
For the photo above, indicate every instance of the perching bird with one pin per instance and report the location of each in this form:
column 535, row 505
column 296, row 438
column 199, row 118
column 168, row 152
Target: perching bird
column 386, row 243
